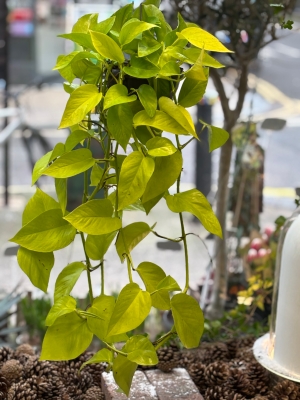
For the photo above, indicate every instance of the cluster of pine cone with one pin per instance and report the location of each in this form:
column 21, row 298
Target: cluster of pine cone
column 227, row 371
column 24, row 377
column 221, row 371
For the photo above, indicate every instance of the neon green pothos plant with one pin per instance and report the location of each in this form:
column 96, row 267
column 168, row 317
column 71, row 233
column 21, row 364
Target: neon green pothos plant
column 128, row 92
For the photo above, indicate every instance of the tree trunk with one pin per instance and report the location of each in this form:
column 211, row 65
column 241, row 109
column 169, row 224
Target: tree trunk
column 216, row 306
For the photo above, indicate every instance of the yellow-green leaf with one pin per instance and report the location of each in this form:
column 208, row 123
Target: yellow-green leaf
column 103, row 307
column 179, row 114
column 130, row 236
column 188, row 319
column 107, row 47
column 123, row 371
column 74, row 138
column 191, row 92
column 82, row 100
column 117, row 94
column 135, row 173
column 132, row 307
column 217, row 137
column 147, row 96
column 166, row 172
column 195, row 202
column 61, row 192
column 70, row 164
column 132, row 29
column 67, row 279
column 103, row 355
column 151, row 274
column 40, row 166
column 39, row 203
column 63, row 305
column 202, row 39
column 97, row 245
column 139, row 349
column 46, row 233
column 94, row 218
column 37, row 266
column 160, row 147
column 119, row 122
column 66, row 339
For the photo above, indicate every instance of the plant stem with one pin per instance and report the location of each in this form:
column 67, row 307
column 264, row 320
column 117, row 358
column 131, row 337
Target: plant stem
column 102, row 277
column 115, row 350
column 117, row 176
column 129, row 268
column 183, row 234
column 162, row 340
column 88, row 265
column 164, row 237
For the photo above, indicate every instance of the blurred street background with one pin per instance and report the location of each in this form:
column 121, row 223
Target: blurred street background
column 31, row 50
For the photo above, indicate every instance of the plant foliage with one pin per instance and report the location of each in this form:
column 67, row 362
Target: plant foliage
column 130, row 68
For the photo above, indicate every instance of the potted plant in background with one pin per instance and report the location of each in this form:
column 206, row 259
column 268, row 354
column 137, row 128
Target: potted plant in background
column 131, row 86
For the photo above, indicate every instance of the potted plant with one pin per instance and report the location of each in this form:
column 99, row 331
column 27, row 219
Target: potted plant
column 131, row 86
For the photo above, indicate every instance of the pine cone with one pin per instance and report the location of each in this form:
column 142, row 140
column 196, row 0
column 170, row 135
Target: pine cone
column 246, row 341
column 196, row 371
column 168, row 359
column 216, row 373
column 94, row 393
column 238, row 364
column 232, row 346
column 24, row 349
column 96, row 371
column 39, row 368
column 239, row 382
column 245, row 354
column 286, row 390
column 21, row 391
column 222, row 393
column 3, row 387
column 5, row 354
column 186, row 358
column 12, row 370
column 258, row 377
column 216, row 352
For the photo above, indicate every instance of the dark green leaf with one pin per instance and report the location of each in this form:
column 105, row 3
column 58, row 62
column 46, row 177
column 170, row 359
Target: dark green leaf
column 119, row 122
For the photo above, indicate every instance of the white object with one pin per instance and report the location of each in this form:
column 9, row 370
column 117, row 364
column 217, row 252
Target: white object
column 287, row 331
